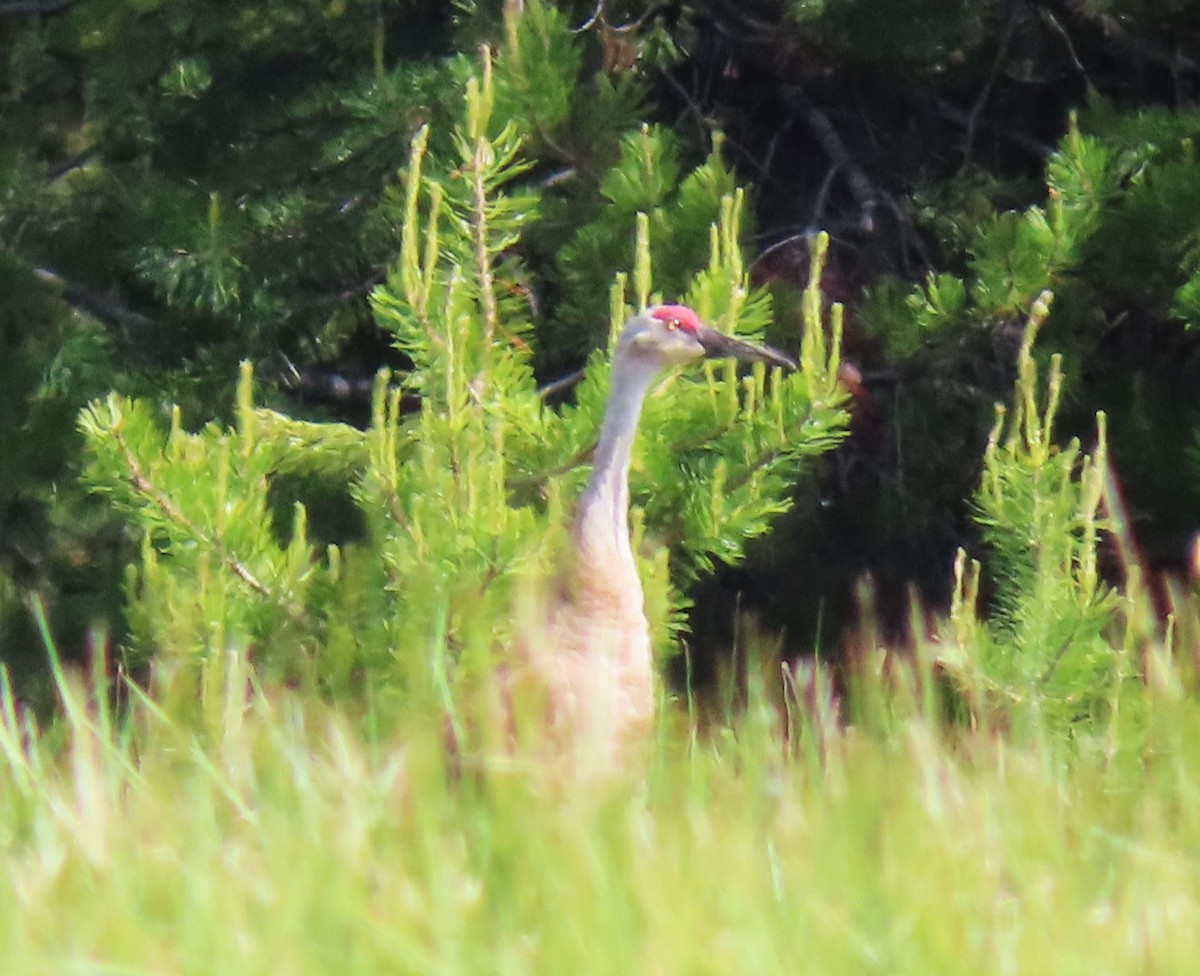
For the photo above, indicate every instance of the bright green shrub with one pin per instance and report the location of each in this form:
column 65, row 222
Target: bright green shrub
column 1049, row 655
column 467, row 497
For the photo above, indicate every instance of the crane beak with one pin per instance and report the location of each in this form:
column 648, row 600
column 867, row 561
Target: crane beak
column 718, row 345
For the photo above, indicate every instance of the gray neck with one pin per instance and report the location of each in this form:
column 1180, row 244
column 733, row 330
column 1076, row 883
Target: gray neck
column 605, row 501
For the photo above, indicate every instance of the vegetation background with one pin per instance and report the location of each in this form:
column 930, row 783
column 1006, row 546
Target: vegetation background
column 281, row 575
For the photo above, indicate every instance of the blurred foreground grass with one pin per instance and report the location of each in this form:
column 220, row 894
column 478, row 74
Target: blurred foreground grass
column 292, row 839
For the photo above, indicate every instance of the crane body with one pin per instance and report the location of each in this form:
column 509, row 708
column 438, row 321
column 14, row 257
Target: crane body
column 595, row 665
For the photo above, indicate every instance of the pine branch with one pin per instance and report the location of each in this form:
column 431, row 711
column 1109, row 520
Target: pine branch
column 143, row 486
column 764, row 459
column 479, row 228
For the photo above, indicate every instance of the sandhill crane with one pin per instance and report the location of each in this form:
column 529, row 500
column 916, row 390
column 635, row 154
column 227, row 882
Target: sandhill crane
column 593, row 663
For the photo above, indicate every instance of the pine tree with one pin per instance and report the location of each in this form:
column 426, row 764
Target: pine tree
column 466, row 499
column 188, row 188
column 1049, row 656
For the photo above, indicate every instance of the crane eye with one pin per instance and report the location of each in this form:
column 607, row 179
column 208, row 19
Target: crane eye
column 672, row 324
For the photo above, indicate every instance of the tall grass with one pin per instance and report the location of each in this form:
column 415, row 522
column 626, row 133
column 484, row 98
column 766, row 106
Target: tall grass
column 291, row 838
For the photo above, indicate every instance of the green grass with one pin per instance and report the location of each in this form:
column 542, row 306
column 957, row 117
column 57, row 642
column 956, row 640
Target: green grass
column 287, row 839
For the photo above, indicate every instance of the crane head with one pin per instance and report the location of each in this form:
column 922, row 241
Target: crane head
column 671, row 335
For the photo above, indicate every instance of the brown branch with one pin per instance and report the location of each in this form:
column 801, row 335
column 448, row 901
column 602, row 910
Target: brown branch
column 346, row 294
column 104, row 307
column 65, row 166
column 836, row 152
column 972, row 116
column 598, row 17
column 709, row 127
column 554, row 387
column 538, row 480
column 954, row 114
column 1120, row 36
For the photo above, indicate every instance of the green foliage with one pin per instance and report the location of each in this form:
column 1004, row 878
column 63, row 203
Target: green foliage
column 1115, row 241
column 185, row 187
column 1013, row 256
column 214, row 174
column 739, row 449
column 922, row 35
column 647, row 179
column 205, row 189
column 213, row 578
column 1116, row 228
column 51, row 361
column 538, row 78
column 302, row 838
column 467, row 497
column 1048, row 657
column 190, row 188
column 938, row 306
